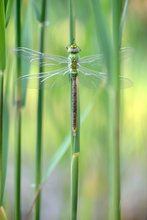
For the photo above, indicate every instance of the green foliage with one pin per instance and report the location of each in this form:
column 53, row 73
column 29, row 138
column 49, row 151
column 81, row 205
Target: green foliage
column 18, row 149
column 2, row 37
column 39, row 132
column 9, row 8
column 26, row 42
column 6, row 120
column 99, row 150
column 72, row 21
column 111, row 49
column 123, row 18
column 74, row 184
column 37, row 8
column 3, row 214
column 102, row 32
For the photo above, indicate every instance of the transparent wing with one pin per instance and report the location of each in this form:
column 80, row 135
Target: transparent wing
column 93, row 78
column 96, row 74
column 40, row 59
column 92, row 58
column 126, row 52
column 99, row 59
column 45, row 80
column 125, row 82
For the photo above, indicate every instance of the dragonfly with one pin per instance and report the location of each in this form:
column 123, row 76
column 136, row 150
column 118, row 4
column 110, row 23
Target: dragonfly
column 59, row 68
column 72, row 68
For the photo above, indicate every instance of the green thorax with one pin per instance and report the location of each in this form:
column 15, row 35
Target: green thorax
column 73, row 57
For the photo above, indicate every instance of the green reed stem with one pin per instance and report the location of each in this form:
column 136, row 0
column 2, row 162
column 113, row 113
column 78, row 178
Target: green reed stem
column 40, row 117
column 75, row 159
column 74, row 185
column 75, row 167
column 75, row 138
column 5, row 133
column 114, row 116
column 111, row 47
column 1, row 130
column 123, row 18
column 18, row 116
column 72, row 21
column 2, row 68
column 2, row 38
column 102, row 31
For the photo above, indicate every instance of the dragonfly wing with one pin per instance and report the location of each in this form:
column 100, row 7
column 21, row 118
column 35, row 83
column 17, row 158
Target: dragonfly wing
column 91, row 78
column 89, row 72
column 94, row 78
column 125, row 52
column 40, row 59
column 56, row 81
column 92, row 58
column 125, row 82
column 45, row 80
column 98, row 59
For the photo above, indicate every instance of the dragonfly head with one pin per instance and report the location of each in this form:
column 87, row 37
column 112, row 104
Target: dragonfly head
column 73, row 48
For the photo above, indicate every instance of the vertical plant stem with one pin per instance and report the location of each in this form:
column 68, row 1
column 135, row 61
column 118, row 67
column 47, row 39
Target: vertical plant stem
column 18, row 165
column 72, row 21
column 18, row 117
column 1, row 130
column 123, row 18
column 2, row 68
column 114, row 116
column 40, row 117
column 2, row 38
column 75, row 109
column 5, row 11
column 74, row 185
column 75, row 131
column 5, row 133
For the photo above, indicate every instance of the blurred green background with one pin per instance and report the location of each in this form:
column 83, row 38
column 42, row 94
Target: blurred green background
column 93, row 190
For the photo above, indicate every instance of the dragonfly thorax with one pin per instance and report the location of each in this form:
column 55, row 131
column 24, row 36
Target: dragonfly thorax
column 73, row 63
column 73, row 58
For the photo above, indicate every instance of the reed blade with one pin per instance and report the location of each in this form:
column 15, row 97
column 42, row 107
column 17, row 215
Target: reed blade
column 72, row 21
column 38, row 177
column 9, row 9
column 2, row 68
column 2, row 38
column 17, row 203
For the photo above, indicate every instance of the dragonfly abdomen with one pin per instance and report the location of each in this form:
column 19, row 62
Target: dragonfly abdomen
column 74, row 104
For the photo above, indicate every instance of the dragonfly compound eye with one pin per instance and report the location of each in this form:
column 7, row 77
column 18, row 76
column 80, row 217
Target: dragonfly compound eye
column 73, row 48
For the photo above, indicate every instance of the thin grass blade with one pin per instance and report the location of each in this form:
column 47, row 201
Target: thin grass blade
column 75, row 131
column 5, row 4
column 2, row 68
column 17, row 197
column 116, row 19
column 39, row 135
column 124, row 14
column 9, row 9
column 102, row 32
column 72, row 21
column 2, row 37
column 3, row 215
column 37, row 9
column 74, row 185
column 27, row 41
column 6, row 118
column 114, row 115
